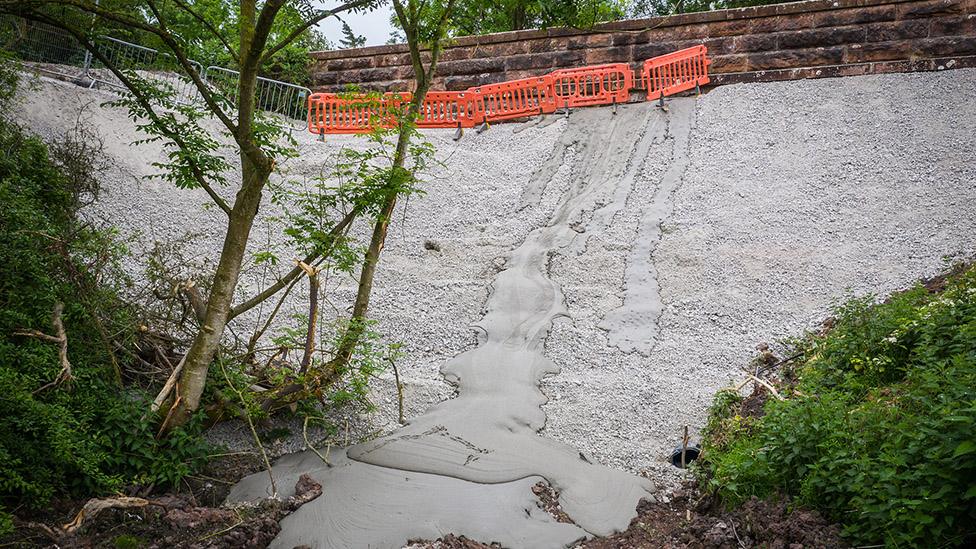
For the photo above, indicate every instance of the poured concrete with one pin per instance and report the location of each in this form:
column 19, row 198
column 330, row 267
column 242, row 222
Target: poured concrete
column 488, row 433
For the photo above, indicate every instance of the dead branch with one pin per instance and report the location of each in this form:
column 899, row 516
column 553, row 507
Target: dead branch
column 684, row 448
column 399, row 388
column 96, row 506
column 765, row 384
column 168, row 386
column 325, row 458
column 65, row 375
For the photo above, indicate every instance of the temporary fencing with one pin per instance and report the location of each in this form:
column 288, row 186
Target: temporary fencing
column 584, row 86
column 445, row 109
column 161, row 68
column 335, row 113
column 273, row 96
column 516, row 98
column 675, row 72
column 48, row 49
column 593, row 85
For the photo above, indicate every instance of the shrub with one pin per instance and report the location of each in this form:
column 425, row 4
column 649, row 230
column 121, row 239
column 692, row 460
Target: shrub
column 88, row 435
column 879, row 434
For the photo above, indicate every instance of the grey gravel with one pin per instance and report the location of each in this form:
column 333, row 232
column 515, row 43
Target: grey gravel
column 795, row 195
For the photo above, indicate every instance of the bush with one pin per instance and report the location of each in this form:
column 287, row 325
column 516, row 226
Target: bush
column 879, row 432
column 88, row 435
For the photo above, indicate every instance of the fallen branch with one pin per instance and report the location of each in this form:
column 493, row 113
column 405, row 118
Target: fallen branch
column 65, row 375
column 96, row 506
column 254, row 431
column 168, row 387
column 765, row 384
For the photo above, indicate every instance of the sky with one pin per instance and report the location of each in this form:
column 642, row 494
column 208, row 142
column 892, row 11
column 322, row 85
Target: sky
column 374, row 25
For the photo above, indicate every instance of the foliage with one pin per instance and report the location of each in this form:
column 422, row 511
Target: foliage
column 88, row 435
column 474, row 17
column 289, row 65
column 649, row 8
column 878, row 435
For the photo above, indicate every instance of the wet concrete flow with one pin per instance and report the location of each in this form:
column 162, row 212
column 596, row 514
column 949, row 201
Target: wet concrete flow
column 467, row 465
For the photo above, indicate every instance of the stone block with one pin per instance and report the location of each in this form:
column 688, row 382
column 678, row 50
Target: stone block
column 471, row 66
column 787, row 59
column 617, row 54
column 729, row 63
column 878, row 51
column 913, row 10
column 953, row 26
column 857, row 16
column 815, row 38
column 897, row 30
column 752, row 42
column 349, row 63
column 945, row 46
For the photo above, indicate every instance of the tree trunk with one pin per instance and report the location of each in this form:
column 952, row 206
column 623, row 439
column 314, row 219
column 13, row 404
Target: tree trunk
column 201, row 353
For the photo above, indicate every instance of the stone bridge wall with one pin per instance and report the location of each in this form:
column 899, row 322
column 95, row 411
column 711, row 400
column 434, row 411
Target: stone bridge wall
column 808, row 39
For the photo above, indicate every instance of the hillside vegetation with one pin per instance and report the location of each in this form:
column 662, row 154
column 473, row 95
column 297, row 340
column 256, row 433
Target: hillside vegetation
column 71, row 424
column 876, row 428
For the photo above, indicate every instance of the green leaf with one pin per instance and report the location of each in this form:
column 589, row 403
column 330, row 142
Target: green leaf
column 965, row 447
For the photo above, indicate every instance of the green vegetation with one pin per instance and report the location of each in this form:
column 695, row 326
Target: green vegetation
column 877, row 428
column 474, row 17
column 649, row 8
column 78, row 431
column 202, row 27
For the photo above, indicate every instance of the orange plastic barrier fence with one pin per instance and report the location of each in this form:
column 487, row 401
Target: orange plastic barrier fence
column 515, row 98
column 330, row 113
column 593, row 85
column 444, row 109
column 675, row 72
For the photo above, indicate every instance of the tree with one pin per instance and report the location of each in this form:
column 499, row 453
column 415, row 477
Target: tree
column 350, row 39
column 473, row 17
column 194, row 159
column 650, row 8
column 425, row 26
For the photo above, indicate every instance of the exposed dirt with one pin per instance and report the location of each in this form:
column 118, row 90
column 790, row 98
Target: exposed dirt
column 192, row 518
column 753, row 404
column 687, row 522
column 450, row 541
column 549, row 501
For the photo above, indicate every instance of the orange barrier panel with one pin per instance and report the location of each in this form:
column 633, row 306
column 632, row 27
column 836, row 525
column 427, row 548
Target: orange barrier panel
column 515, row 98
column 676, row 72
column 593, row 85
column 444, row 109
column 331, row 113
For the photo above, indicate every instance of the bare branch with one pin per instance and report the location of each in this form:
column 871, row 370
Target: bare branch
column 61, row 338
column 313, row 313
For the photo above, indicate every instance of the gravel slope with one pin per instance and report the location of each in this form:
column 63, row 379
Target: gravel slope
column 795, row 195
column 789, row 196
